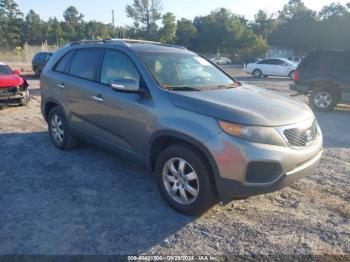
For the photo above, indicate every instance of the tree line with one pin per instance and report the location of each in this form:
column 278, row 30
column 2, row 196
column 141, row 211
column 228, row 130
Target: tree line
column 221, row 31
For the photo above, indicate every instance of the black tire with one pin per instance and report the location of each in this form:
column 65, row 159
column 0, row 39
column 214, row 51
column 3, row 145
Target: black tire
column 26, row 98
column 257, row 73
column 207, row 195
column 327, row 106
column 69, row 141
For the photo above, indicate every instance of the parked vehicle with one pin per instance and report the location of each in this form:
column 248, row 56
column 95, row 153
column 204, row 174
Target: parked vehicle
column 39, row 61
column 324, row 75
column 272, row 67
column 206, row 136
column 221, row 61
column 295, row 59
column 13, row 88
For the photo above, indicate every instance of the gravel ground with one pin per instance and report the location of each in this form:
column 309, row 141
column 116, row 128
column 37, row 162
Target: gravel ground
column 87, row 201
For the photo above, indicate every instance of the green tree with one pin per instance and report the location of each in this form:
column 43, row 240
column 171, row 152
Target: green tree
column 97, row 30
column 11, row 19
column 332, row 10
column 33, row 29
column 145, row 13
column 185, row 32
column 73, row 25
column 263, row 24
column 295, row 9
column 168, row 31
column 55, row 32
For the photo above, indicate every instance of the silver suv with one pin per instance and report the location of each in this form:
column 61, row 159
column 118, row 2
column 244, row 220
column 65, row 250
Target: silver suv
column 206, row 136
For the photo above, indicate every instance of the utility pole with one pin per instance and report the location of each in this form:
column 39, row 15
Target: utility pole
column 113, row 24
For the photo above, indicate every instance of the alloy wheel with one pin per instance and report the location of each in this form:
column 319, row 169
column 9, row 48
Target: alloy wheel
column 180, row 181
column 323, row 99
column 57, row 129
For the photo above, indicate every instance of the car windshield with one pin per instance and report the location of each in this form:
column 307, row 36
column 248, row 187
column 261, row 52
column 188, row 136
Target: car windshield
column 185, row 71
column 5, row 70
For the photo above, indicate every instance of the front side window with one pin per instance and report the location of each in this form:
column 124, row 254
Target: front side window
column 5, row 70
column 116, row 66
column 85, row 63
column 184, row 70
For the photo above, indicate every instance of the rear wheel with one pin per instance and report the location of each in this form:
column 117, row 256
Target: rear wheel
column 59, row 130
column 184, row 181
column 324, row 99
column 257, row 73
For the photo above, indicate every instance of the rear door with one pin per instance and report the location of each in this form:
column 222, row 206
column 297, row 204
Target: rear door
column 279, row 68
column 80, row 86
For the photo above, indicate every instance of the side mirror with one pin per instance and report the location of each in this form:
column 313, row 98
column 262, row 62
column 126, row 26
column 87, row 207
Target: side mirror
column 125, row 85
column 17, row 71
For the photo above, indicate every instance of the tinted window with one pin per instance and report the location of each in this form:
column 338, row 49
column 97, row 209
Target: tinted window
column 264, row 62
column 277, row 62
column 85, row 63
column 63, row 64
column 325, row 60
column 116, row 65
column 5, row 70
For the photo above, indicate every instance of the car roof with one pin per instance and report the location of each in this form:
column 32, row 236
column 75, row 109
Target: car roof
column 155, row 48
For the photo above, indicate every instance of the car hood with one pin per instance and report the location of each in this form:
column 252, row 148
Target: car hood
column 10, row 80
column 244, row 105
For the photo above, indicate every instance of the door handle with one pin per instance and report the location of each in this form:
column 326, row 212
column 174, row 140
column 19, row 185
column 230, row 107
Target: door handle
column 97, row 99
column 61, row 85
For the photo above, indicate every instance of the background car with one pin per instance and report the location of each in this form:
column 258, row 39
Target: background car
column 221, row 61
column 272, row 67
column 324, row 75
column 13, row 88
column 39, row 61
column 295, row 59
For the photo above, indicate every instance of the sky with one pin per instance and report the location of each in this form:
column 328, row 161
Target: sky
column 102, row 10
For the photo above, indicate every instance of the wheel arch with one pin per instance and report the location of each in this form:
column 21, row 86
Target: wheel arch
column 327, row 84
column 163, row 139
column 48, row 105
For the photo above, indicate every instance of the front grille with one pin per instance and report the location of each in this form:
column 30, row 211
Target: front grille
column 301, row 137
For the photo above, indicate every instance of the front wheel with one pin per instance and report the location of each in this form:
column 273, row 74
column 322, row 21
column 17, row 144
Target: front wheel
column 323, row 99
column 59, row 130
column 257, row 73
column 184, row 180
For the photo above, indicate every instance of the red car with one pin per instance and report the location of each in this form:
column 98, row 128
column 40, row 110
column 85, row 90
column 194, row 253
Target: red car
column 13, row 88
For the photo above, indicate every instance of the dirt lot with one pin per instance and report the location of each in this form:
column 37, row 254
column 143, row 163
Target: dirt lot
column 87, row 201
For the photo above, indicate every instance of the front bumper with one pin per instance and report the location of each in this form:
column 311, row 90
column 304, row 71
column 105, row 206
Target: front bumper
column 233, row 157
column 12, row 94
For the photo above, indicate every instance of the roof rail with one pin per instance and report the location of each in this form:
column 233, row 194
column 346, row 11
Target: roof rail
column 121, row 41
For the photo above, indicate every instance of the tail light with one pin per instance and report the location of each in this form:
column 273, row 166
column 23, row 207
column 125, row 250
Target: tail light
column 296, row 75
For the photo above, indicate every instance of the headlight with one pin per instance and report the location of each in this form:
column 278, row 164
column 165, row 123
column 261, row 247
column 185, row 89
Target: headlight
column 257, row 134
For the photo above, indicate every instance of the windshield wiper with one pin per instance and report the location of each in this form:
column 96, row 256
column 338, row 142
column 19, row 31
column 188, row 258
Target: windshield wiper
column 182, row 88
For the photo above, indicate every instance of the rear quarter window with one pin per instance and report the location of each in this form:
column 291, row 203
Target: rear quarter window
column 63, row 64
column 321, row 61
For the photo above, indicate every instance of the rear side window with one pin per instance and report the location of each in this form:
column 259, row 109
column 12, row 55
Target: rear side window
column 86, row 63
column 63, row 64
column 117, row 65
column 322, row 61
